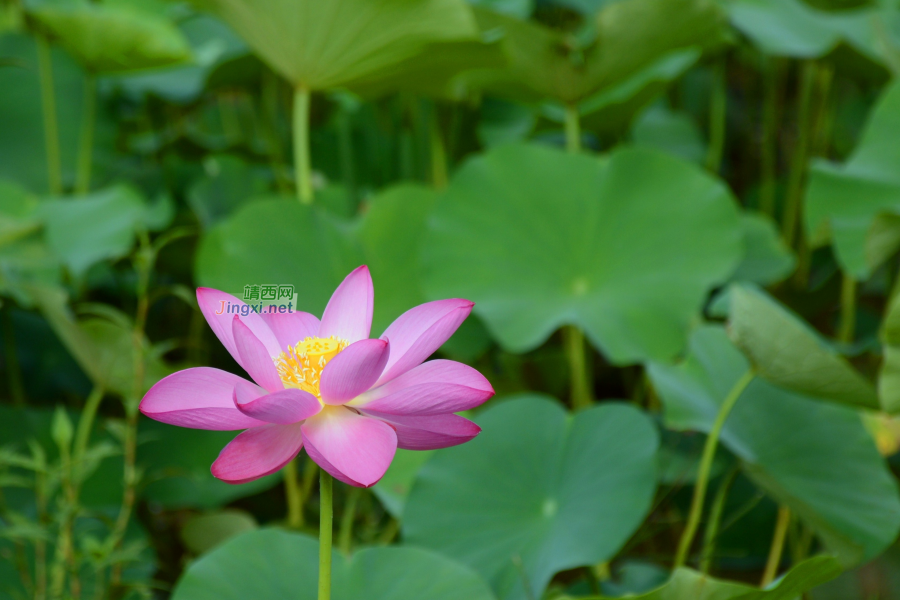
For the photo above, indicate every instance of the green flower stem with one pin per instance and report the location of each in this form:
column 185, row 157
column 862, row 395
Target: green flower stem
column 302, row 169
column 325, row 525
column 717, row 114
column 86, row 139
column 769, row 142
column 781, row 526
column 345, row 537
column 294, row 495
column 706, row 459
column 579, row 374
column 573, row 129
column 48, row 105
column 792, row 207
column 85, row 423
column 144, row 262
column 438, row 151
column 715, row 519
column 847, row 327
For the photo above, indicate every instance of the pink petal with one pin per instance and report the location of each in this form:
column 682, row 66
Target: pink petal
column 286, row 406
column 293, row 327
column 214, row 301
column 258, row 452
column 418, row 332
column 348, row 315
column 430, row 432
column 353, row 370
column 199, row 398
column 353, row 448
column 255, row 358
column 435, row 387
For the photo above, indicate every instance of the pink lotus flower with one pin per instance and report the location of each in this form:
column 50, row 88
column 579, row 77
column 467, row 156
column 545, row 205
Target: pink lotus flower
column 349, row 400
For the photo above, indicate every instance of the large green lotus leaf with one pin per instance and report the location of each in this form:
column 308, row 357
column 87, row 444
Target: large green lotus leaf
column 278, row 241
column 796, row 29
column 625, row 247
column 270, row 564
column 227, row 183
column 630, row 35
column 390, row 233
column 438, row 70
column 176, row 462
column 538, row 492
column 815, row 457
column 786, row 351
column 847, row 200
column 889, row 375
column 767, row 259
column 687, row 584
column 393, row 489
column 324, row 45
column 101, row 226
column 110, row 38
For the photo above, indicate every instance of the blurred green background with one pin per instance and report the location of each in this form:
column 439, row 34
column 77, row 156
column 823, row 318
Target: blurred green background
column 645, row 199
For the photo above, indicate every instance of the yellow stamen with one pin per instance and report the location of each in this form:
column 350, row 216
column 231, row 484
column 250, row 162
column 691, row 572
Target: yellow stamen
column 301, row 365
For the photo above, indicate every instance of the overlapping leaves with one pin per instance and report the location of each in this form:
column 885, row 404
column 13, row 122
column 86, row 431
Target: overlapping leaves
column 815, row 457
column 856, row 204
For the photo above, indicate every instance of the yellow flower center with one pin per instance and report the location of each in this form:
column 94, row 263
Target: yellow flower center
column 301, row 365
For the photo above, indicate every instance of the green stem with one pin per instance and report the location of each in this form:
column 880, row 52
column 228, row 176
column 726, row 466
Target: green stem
column 345, row 537
column 579, row 375
column 769, row 142
column 717, row 115
column 144, row 267
column 85, row 423
column 847, row 328
column 302, row 170
column 40, row 546
column 13, row 368
column 781, row 526
column 294, row 495
column 438, row 151
column 573, row 129
column 706, row 460
column 86, row 141
column 325, row 531
column 48, row 104
column 798, row 161
column 715, row 519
